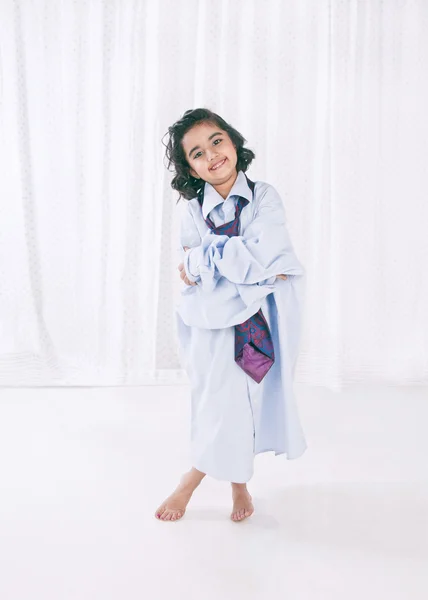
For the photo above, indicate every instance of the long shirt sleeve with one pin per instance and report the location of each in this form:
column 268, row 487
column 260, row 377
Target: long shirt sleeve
column 262, row 252
column 189, row 236
column 193, row 273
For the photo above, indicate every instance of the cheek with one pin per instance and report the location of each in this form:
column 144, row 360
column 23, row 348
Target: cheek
column 231, row 149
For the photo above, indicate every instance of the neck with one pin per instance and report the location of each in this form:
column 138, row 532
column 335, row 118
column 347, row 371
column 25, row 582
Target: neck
column 224, row 188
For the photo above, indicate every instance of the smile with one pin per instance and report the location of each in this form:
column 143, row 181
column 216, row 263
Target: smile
column 218, row 165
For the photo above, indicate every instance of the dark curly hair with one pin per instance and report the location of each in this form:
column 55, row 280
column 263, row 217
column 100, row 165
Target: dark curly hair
column 187, row 185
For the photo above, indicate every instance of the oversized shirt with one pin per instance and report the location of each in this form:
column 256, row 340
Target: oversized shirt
column 235, row 277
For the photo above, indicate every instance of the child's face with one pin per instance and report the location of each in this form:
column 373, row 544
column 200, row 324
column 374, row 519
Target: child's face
column 202, row 153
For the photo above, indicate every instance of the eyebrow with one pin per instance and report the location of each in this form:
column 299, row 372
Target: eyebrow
column 211, row 136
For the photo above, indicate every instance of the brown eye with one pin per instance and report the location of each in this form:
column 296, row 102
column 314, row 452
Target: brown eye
column 216, row 140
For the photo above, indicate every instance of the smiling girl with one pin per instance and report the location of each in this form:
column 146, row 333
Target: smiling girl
column 239, row 315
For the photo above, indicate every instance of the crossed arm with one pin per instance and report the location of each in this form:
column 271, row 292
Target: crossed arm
column 187, row 281
column 257, row 257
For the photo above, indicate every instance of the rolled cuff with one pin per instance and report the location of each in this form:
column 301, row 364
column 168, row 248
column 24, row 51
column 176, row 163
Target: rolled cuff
column 191, row 265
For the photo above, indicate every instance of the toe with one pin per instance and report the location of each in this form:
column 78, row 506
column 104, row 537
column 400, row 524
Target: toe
column 159, row 511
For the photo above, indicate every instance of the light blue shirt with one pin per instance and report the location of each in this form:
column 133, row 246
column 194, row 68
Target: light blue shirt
column 236, row 277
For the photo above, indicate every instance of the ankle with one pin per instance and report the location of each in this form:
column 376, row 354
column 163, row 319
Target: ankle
column 239, row 487
column 193, row 478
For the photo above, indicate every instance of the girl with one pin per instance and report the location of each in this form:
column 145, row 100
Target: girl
column 238, row 319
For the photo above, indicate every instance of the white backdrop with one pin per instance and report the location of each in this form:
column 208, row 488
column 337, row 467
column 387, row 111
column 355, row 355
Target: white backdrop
column 331, row 95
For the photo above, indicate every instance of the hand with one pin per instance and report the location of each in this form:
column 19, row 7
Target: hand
column 282, row 276
column 183, row 272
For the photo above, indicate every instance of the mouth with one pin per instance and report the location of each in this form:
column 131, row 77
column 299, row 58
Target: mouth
column 218, row 165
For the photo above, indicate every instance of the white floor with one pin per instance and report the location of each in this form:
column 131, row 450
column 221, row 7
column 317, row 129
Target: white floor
column 82, row 471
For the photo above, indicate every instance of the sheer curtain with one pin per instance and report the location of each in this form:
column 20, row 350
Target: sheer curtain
column 330, row 95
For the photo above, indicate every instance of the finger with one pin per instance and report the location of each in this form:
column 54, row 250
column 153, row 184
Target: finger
column 187, row 280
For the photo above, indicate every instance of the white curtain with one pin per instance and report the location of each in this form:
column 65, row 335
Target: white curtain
column 331, row 95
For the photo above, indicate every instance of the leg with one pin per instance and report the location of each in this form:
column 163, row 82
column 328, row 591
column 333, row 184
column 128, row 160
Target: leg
column 174, row 507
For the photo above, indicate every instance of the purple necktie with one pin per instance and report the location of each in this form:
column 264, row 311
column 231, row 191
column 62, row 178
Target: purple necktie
column 253, row 342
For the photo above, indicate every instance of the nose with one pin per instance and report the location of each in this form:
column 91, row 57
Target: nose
column 211, row 156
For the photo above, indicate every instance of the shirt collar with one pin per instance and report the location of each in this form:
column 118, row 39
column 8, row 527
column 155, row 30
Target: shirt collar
column 212, row 198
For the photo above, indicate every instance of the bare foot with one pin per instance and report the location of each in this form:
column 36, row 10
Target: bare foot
column 174, row 507
column 242, row 505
